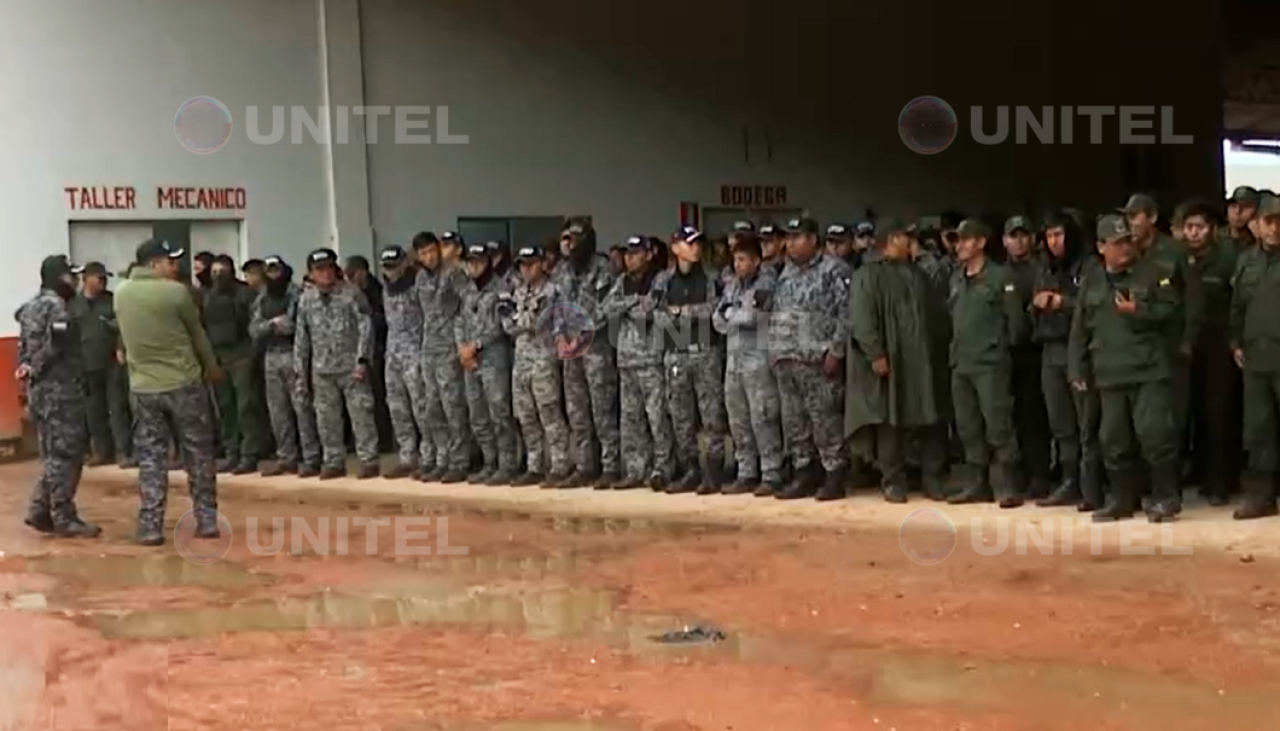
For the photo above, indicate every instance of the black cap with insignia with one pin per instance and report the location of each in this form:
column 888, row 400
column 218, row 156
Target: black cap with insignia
column 478, row 251
column 532, row 251
column 321, row 258
column 802, row 225
column 837, row 231
column 392, row 256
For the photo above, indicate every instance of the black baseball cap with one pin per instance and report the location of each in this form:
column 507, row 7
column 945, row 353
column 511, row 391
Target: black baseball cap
column 477, row 251
column 152, row 249
column 532, row 251
column 322, row 257
column 57, row 265
column 769, row 231
column 837, row 231
column 392, row 256
column 452, row 237
column 866, row 228
column 273, row 262
column 687, row 234
column 636, row 243
column 802, row 225
column 493, row 246
column 575, row 228
column 94, row 269
column 744, row 227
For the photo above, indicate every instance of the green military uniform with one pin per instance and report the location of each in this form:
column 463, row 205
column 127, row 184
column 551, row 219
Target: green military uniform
column 1127, row 356
column 227, row 312
column 106, row 384
column 1215, row 381
column 1242, row 239
column 987, row 320
column 1029, row 415
column 1255, row 331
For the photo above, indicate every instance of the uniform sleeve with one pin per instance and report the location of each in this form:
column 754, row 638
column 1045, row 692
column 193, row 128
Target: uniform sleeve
column 1193, row 303
column 1078, row 344
column 190, row 314
column 615, row 303
column 1017, row 323
column 865, row 328
column 658, row 300
column 364, row 329
column 259, row 326
column 301, row 340
column 1240, row 294
column 462, row 323
column 726, row 304
column 838, row 289
column 1158, row 304
column 37, row 346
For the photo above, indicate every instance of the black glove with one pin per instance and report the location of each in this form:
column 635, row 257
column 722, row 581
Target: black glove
column 761, row 298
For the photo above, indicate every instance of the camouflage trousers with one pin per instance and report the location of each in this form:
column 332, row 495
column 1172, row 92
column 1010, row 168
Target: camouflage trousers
column 186, row 414
column 445, row 412
column 812, row 414
column 535, row 385
column 58, row 411
column 647, row 443
column 332, row 391
column 407, row 404
column 293, row 417
column 695, row 397
column 591, row 405
column 489, row 405
column 751, row 399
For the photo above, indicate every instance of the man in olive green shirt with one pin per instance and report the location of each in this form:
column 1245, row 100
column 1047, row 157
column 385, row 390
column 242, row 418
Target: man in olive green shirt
column 169, row 358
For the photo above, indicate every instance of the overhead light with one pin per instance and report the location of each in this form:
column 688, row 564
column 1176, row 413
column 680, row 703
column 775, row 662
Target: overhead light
column 1260, row 143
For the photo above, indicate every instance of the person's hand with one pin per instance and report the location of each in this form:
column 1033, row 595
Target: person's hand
column 1125, row 304
column 120, row 358
column 1238, row 355
column 832, row 366
column 467, row 353
column 280, row 322
column 215, row 375
column 880, row 366
column 1080, row 386
column 22, row 373
column 1042, row 300
column 360, row 372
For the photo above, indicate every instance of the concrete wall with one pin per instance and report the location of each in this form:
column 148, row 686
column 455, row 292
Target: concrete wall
column 620, row 111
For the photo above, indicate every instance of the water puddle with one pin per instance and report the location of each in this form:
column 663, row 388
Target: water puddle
column 136, row 571
column 520, row 726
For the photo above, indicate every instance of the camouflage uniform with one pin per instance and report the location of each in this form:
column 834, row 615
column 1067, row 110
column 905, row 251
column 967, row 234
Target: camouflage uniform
column 808, row 323
column 750, row 391
column 536, row 381
column 694, row 365
column 293, row 416
column 406, row 389
column 647, row 443
column 334, row 336
column 488, row 385
column 190, row 411
column 446, row 405
column 591, row 381
column 49, row 347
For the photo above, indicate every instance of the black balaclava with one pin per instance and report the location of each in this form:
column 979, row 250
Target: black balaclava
column 51, row 273
column 585, row 247
column 278, row 286
column 227, row 279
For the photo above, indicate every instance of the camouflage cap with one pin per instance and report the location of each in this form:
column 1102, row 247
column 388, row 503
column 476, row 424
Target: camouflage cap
column 973, row 228
column 1268, row 205
column 1018, row 223
column 1113, row 227
column 1140, row 203
column 1245, row 195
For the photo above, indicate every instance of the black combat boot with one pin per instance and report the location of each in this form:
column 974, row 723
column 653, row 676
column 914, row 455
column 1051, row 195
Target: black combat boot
column 712, row 479
column 833, row 485
column 742, row 486
column 1008, row 487
column 368, row 471
column 1259, row 497
column 128, row 463
column 246, row 467
column 1068, row 492
column 894, row 492
column 935, row 486
column 1090, row 486
column 607, row 481
column 863, row 475
column 73, row 527
column 628, row 483
column 482, row 475
column 769, row 488
column 804, row 484
column 308, row 470
column 578, row 480
column 502, row 477
column 430, row 473
column 333, row 473
column 453, row 477
column 39, row 517
column 207, row 525
column 1166, row 492
column 150, row 529
column 399, row 471
column 1122, row 503
column 226, row 466
column 688, row 482
column 279, row 468
column 100, row 462
column 978, row 489
column 528, row 479
column 658, row 482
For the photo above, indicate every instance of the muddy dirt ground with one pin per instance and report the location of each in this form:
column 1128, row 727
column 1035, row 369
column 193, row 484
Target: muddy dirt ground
column 548, row 612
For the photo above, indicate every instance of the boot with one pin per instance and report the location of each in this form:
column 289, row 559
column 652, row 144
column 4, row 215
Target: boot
column 742, row 486
column 99, row 462
column 1259, row 498
column 453, row 477
column 1090, row 486
column 833, row 486
column 308, row 470
column 804, row 484
column 150, row 530
column 1166, row 492
column 333, row 473
column 657, row 482
column 579, row 480
column 279, row 468
column 1123, row 500
column 430, row 474
column 207, row 525
column 1068, row 493
column 1040, row 488
column 73, row 527
column 482, row 475
column 1214, row 495
column 935, row 487
column 977, row 491
column 127, row 463
column 687, row 483
column 608, row 481
column 399, row 471
column 894, row 493
column 528, row 479
column 38, row 518
column 226, row 466
column 863, row 476
column 627, row 483
column 769, row 488
column 502, row 477
column 712, row 481
column 368, row 471
column 1007, row 490
column 556, row 480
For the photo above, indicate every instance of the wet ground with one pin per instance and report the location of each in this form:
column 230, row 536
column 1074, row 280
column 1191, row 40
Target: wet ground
column 548, row 611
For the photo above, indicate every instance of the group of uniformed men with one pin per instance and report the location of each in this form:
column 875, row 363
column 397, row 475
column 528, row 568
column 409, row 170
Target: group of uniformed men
column 1105, row 380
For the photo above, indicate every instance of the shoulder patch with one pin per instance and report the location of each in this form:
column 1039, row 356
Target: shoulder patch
column 1009, row 288
column 1165, row 282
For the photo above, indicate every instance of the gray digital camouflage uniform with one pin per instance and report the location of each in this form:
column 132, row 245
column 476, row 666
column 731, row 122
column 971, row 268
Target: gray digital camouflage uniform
column 647, row 443
column 536, row 381
column 808, row 322
column 439, row 293
column 293, row 417
column 49, row 347
column 750, row 391
column 406, row 389
column 591, row 380
column 693, row 363
column 488, row 385
column 335, row 336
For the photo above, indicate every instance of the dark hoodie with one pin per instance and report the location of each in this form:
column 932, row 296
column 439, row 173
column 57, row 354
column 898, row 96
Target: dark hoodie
column 279, row 297
column 1052, row 328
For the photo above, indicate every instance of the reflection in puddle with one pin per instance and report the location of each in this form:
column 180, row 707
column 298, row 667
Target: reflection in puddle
column 123, row 571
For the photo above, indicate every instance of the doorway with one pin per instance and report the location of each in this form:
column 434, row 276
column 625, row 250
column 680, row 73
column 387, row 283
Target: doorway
column 115, row 243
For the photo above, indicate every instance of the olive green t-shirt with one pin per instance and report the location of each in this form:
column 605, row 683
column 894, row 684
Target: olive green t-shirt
column 164, row 342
